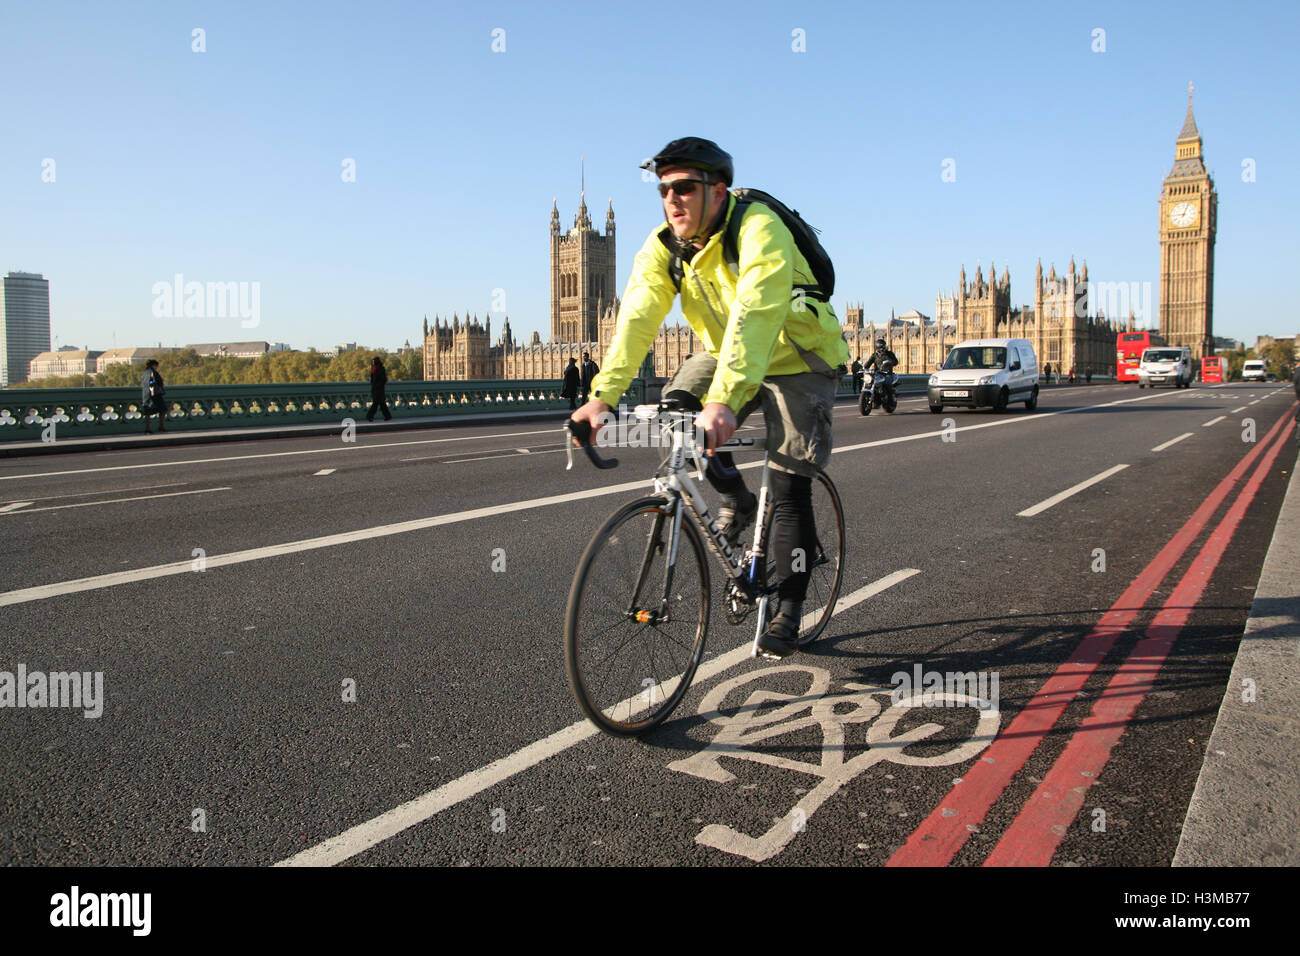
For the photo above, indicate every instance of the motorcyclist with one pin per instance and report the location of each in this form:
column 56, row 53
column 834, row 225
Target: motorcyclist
column 878, row 359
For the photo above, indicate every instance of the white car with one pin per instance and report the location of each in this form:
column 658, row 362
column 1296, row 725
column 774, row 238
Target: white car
column 1165, row 365
column 986, row 373
column 1253, row 370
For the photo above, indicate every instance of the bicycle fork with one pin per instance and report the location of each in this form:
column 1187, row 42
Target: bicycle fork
column 654, row 544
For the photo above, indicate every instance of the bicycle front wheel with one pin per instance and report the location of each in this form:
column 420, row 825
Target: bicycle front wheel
column 826, row 565
column 636, row 619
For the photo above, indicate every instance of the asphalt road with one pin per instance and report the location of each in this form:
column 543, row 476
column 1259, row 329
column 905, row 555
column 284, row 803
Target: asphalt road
column 234, row 597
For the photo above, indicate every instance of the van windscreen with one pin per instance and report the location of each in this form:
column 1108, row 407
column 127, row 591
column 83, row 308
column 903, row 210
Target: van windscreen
column 977, row 356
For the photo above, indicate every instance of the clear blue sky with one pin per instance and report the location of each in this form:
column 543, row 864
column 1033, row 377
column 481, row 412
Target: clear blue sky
column 225, row 166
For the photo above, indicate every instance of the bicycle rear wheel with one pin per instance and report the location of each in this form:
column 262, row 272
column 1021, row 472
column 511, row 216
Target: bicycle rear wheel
column 826, row 565
column 634, row 628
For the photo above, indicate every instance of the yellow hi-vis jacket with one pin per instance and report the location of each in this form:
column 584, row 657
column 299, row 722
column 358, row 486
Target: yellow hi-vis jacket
column 751, row 322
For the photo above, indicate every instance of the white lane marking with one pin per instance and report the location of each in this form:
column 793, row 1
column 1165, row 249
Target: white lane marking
column 1235, row 410
column 1255, row 402
column 547, row 431
column 107, row 491
column 457, row 461
column 1058, row 498
column 325, row 471
column 110, row 501
column 13, row 506
column 364, row 534
column 1214, row 421
column 44, row 591
column 272, row 454
column 1173, row 441
column 363, row 836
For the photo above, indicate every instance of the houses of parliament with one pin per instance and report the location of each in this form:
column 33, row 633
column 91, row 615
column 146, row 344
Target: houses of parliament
column 1065, row 329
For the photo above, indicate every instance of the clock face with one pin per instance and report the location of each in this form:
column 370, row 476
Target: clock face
column 1183, row 215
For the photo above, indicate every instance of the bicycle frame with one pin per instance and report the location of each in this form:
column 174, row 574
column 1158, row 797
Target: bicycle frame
column 680, row 488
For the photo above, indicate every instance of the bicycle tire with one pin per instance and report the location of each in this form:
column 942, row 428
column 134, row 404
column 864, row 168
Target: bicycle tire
column 616, row 665
column 826, row 576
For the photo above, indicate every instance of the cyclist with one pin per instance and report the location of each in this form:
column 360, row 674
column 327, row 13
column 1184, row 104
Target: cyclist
column 765, row 348
column 878, row 359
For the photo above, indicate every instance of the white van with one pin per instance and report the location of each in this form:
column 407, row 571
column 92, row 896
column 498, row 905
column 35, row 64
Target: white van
column 986, row 373
column 1165, row 365
column 1253, row 370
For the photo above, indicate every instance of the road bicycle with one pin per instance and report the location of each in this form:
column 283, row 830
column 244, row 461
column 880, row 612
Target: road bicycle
column 638, row 610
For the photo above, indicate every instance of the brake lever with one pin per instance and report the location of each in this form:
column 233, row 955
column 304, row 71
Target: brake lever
column 581, row 431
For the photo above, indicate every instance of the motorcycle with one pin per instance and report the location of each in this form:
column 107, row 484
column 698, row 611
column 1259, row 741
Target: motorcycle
column 878, row 390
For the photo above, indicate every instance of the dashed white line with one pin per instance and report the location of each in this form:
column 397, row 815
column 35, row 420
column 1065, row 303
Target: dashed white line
column 1214, row 421
column 325, row 471
column 373, row 832
column 1058, row 498
column 1235, row 410
column 43, row 592
column 1173, row 441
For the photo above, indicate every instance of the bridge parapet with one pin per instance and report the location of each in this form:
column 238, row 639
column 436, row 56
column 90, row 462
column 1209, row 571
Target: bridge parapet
column 24, row 413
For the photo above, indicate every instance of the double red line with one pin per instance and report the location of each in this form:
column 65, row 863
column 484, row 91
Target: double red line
column 1037, row 831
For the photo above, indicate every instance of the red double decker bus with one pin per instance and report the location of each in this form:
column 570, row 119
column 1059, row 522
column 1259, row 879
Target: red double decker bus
column 1129, row 347
column 1214, row 368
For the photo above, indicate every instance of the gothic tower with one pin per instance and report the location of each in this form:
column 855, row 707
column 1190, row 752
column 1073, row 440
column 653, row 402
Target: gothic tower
column 582, row 275
column 1188, row 213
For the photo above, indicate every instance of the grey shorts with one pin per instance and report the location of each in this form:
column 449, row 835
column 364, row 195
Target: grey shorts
column 796, row 408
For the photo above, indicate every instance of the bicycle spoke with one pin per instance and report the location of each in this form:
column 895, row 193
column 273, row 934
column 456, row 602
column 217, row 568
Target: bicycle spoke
column 616, row 663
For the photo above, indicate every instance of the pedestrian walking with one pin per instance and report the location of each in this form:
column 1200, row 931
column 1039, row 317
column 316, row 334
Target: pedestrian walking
column 1088, row 375
column 589, row 370
column 572, row 382
column 1047, row 373
column 152, row 391
column 1072, row 376
column 378, row 383
column 856, row 369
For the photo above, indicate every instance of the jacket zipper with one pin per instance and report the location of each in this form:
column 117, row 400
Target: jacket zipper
column 704, row 295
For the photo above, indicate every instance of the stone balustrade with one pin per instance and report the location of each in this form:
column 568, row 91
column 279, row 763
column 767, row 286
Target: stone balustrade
column 25, row 413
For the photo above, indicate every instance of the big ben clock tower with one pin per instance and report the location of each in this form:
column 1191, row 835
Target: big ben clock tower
column 1188, row 214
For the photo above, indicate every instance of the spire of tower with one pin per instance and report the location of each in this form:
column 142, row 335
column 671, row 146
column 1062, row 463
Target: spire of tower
column 1189, row 130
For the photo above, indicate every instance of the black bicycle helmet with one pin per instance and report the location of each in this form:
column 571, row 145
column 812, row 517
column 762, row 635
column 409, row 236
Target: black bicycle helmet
column 692, row 152
column 880, row 343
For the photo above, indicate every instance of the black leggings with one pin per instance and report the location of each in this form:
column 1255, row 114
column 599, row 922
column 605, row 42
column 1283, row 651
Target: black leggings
column 793, row 543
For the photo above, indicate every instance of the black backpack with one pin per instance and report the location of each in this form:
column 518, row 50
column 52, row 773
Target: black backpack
column 805, row 237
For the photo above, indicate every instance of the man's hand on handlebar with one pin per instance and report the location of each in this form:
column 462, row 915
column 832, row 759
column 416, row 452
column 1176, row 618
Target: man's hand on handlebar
column 590, row 414
column 718, row 422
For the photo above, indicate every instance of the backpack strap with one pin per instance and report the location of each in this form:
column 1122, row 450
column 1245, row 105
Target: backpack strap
column 675, row 270
column 731, row 247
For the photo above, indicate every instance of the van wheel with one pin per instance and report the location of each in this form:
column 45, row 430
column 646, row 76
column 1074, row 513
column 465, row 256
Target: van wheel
column 1032, row 401
column 936, row 409
column 1001, row 404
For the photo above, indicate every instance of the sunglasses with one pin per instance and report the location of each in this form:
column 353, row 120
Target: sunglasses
column 683, row 187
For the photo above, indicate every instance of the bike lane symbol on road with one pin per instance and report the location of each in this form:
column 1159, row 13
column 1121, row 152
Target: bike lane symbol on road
column 746, row 728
